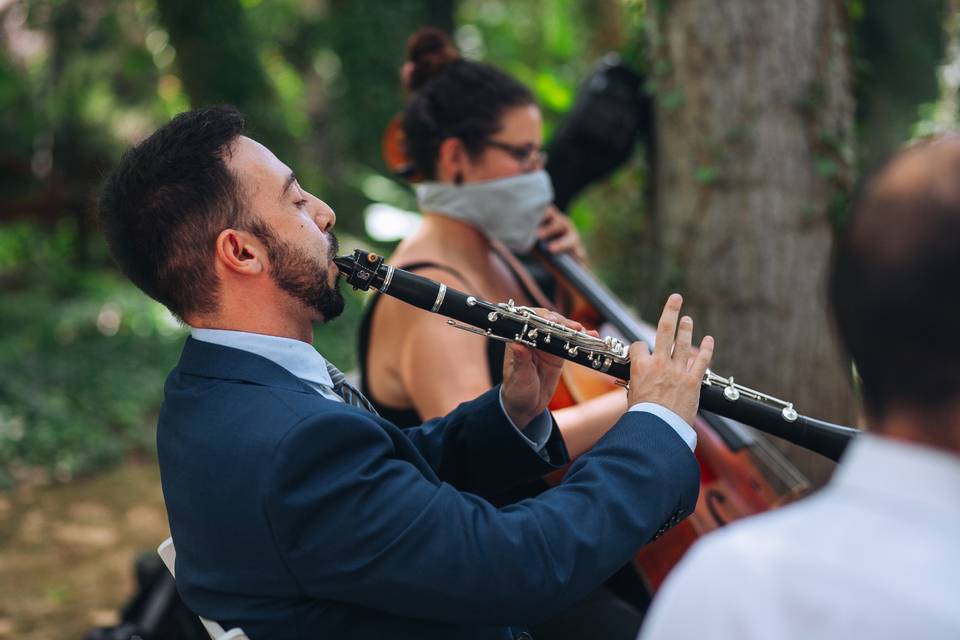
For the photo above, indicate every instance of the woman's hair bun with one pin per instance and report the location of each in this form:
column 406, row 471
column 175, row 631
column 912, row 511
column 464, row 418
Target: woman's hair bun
column 429, row 51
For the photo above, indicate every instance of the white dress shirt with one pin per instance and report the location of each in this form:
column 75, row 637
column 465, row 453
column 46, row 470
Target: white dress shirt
column 875, row 554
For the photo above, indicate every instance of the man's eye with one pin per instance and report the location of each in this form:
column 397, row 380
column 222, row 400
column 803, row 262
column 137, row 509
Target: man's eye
column 300, row 203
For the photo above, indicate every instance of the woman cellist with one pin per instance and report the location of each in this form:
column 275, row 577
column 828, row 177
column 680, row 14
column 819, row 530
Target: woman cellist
column 473, row 134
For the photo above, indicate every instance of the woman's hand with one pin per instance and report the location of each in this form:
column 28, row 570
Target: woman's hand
column 557, row 230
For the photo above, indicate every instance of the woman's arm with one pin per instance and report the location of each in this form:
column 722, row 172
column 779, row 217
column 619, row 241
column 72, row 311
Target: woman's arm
column 583, row 424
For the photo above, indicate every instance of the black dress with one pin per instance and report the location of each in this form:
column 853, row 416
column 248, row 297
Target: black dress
column 410, row 417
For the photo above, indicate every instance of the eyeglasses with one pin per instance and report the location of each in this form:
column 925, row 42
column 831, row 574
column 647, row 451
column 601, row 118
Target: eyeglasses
column 527, row 156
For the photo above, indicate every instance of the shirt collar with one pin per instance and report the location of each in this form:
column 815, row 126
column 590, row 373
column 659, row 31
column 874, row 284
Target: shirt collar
column 907, row 472
column 297, row 357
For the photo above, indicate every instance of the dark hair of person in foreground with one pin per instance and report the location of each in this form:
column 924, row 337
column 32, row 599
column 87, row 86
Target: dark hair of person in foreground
column 894, row 283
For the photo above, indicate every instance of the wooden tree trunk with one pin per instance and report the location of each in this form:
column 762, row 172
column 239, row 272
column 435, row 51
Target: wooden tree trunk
column 754, row 129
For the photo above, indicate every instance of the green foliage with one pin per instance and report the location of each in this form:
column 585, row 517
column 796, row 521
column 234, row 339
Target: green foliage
column 826, row 167
column 17, row 119
column 226, row 69
column 706, row 174
column 545, row 45
column 83, row 356
column 896, row 47
column 671, row 100
column 839, row 208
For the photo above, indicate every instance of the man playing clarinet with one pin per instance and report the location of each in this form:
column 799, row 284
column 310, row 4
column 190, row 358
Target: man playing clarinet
column 298, row 513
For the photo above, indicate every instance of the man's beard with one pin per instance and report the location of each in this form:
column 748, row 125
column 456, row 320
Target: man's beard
column 304, row 276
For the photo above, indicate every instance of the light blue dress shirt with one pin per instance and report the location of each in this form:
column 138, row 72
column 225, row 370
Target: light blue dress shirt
column 306, row 363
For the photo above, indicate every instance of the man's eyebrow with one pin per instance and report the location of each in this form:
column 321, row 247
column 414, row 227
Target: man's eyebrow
column 286, row 184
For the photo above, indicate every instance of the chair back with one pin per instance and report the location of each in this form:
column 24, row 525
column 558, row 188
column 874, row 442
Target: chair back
column 169, row 556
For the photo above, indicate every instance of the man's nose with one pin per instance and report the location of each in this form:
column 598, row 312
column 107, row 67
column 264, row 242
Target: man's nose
column 324, row 217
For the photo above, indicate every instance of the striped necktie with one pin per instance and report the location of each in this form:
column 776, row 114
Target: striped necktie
column 350, row 394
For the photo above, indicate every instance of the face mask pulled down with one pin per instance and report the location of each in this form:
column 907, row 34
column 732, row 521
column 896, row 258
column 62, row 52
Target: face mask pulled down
column 506, row 209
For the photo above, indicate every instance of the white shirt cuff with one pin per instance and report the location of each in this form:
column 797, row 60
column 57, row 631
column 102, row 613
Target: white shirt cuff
column 538, row 431
column 676, row 423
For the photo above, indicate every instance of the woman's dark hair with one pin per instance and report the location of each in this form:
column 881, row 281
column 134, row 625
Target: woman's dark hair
column 452, row 98
column 894, row 280
column 164, row 205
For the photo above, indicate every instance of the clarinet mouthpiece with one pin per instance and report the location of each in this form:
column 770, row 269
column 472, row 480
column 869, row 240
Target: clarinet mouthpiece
column 360, row 269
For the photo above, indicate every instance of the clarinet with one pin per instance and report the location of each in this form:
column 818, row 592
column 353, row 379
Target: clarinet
column 510, row 322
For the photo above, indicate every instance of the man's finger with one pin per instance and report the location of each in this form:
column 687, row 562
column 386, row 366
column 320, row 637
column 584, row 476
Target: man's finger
column 639, row 353
column 702, row 361
column 667, row 326
column 519, row 352
column 682, row 349
column 549, row 359
column 553, row 316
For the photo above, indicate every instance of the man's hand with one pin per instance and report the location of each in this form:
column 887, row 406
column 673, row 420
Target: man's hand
column 530, row 376
column 672, row 374
column 557, row 230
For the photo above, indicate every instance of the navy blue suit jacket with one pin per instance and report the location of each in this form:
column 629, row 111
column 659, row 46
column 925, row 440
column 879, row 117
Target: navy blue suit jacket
column 295, row 516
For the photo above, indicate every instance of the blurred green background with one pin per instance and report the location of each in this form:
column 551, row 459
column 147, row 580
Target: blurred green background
column 83, row 354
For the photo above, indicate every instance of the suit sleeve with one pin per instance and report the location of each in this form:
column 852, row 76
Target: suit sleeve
column 476, row 448
column 356, row 524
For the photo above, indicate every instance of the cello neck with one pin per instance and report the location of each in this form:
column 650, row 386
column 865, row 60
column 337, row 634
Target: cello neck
column 596, row 294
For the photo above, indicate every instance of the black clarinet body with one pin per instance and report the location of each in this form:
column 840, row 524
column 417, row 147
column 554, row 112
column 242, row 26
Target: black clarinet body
column 512, row 323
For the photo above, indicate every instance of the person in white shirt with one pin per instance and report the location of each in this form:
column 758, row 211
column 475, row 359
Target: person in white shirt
column 875, row 554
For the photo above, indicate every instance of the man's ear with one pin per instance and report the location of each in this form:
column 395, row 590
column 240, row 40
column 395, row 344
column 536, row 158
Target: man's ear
column 452, row 160
column 240, row 252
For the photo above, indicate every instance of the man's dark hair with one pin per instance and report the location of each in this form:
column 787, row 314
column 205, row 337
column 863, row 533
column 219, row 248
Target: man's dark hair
column 452, row 98
column 165, row 204
column 894, row 283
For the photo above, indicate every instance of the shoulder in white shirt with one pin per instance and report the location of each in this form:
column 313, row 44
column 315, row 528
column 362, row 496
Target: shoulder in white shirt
column 872, row 555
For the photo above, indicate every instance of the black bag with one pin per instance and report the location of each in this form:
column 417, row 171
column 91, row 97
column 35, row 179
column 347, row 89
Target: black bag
column 155, row 612
column 611, row 113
